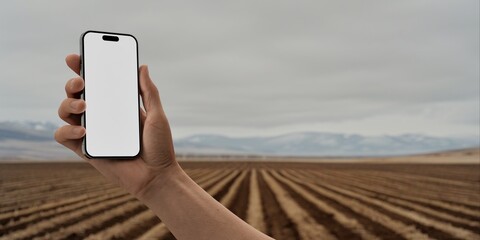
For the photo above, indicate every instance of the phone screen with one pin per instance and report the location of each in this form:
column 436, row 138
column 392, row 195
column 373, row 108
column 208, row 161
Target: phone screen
column 110, row 71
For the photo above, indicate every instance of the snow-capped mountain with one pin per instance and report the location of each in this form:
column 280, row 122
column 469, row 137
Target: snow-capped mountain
column 34, row 140
column 30, row 140
column 322, row 144
column 30, row 131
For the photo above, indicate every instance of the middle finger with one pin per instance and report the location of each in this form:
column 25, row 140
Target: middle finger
column 70, row 110
column 74, row 87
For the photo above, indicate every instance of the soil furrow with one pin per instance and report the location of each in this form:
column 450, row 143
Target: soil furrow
column 428, row 226
column 279, row 226
column 374, row 227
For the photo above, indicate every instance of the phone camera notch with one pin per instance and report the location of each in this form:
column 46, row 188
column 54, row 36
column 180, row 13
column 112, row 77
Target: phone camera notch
column 110, row 38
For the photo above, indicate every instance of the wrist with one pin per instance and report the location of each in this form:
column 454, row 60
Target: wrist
column 158, row 181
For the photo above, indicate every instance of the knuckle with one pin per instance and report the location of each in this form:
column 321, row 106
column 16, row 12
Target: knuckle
column 58, row 134
column 82, row 104
column 62, row 113
column 67, row 85
column 74, row 83
column 155, row 91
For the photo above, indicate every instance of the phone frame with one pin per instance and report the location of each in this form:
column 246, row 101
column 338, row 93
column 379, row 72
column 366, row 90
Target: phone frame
column 84, row 115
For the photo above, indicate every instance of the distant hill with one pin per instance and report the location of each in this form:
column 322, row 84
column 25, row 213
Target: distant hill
column 30, row 140
column 322, row 144
column 34, row 140
column 27, row 131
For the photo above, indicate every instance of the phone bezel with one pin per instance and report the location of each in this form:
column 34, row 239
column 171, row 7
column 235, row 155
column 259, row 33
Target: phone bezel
column 83, row 122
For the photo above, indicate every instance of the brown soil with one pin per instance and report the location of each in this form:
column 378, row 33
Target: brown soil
column 32, row 194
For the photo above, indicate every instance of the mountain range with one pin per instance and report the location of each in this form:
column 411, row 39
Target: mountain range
column 34, row 140
column 322, row 144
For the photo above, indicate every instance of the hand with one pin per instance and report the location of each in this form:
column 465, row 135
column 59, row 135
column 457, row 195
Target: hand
column 157, row 156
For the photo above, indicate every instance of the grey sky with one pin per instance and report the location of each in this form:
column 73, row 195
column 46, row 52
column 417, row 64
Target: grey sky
column 264, row 67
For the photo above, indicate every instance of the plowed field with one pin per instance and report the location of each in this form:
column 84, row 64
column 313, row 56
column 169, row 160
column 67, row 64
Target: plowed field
column 284, row 200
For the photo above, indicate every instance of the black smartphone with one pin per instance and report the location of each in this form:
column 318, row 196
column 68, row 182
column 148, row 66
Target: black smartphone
column 109, row 67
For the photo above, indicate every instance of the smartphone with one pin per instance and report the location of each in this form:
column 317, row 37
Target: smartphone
column 109, row 67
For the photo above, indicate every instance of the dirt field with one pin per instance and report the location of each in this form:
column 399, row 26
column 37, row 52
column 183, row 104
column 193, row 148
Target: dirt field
column 284, row 200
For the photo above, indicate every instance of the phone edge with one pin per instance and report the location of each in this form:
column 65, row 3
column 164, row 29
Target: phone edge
column 83, row 122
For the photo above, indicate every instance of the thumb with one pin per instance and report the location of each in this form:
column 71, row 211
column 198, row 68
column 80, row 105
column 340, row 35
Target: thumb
column 149, row 92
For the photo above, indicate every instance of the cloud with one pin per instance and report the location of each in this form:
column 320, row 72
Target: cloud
column 264, row 66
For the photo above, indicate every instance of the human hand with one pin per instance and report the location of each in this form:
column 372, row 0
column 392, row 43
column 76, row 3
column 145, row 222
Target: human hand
column 157, row 157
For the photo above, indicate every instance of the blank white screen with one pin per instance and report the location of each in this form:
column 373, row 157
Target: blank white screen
column 111, row 96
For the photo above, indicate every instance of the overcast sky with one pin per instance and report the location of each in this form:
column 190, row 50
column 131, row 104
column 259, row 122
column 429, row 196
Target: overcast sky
column 249, row 68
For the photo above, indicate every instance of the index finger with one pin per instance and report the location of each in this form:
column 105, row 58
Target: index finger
column 73, row 62
column 74, row 87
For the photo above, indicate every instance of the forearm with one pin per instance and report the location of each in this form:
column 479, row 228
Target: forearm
column 190, row 212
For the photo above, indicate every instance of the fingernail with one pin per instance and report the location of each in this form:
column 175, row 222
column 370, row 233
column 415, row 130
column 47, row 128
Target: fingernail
column 78, row 131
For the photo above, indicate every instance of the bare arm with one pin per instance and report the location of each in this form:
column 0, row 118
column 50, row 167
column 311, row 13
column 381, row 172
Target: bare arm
column 190, row 212
column 155, row 177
